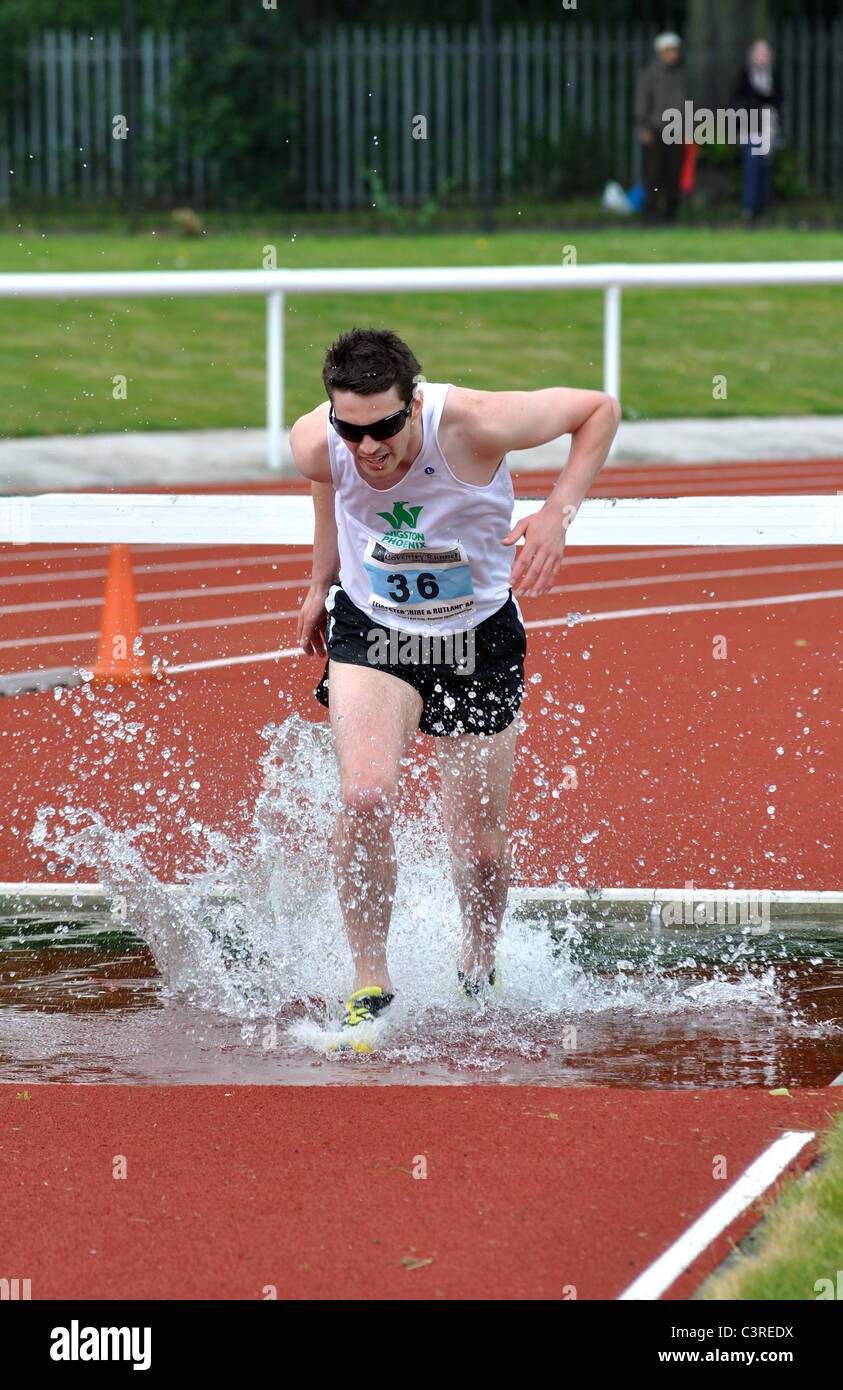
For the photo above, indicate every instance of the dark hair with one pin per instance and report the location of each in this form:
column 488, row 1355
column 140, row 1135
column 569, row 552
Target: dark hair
column 369, row 360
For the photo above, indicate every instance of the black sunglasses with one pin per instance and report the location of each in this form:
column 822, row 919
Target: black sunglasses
column 379, row 429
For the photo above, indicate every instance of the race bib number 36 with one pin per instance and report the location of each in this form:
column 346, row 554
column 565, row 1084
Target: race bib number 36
column 422, row 585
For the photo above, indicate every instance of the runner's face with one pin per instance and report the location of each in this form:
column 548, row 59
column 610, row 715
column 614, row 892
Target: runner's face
column 377, row 458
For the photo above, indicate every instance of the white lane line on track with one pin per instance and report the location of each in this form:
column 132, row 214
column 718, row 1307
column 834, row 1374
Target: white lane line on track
column 599, row 584
column 237, row 562
column 12, row 554
column 221, row 591
column 197, row 623
column 233, row 660
column 766, row 602
column 19, row 554
column 574, row 556
column 593, row 586
column 750, row 1185
column 736, row 491
column 769, row 602
column 206, row 560
column 708, row 552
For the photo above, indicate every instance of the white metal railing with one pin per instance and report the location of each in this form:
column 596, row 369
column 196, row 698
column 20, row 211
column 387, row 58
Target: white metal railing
column 274, row 285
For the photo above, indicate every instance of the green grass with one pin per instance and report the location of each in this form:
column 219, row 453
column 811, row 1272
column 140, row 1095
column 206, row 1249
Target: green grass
column 199, row 363
column 800, row 1241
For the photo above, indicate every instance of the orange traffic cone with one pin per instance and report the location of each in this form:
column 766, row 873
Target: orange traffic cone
column 120, row 656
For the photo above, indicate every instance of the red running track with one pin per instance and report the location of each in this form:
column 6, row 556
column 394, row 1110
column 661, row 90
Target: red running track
column 529, row 1191
column 705, row 751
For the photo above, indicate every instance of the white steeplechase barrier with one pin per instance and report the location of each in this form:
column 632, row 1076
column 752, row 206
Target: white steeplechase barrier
column 90, row 518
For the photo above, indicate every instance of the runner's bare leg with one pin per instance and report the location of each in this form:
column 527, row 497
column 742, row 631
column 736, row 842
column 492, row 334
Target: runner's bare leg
column 373, row 716
column 476, row 779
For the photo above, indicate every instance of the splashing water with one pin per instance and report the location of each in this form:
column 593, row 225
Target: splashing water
column 257, row 936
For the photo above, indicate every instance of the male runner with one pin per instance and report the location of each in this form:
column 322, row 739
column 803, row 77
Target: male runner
column 413, row 510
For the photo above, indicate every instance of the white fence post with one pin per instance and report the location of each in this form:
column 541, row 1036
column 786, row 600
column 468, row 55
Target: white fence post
column 612, row 340
column 612, row 346
column 273, row 286
column 274, row 377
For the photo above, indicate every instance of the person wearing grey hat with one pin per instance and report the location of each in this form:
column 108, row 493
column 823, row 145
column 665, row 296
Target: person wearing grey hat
column 661, row 87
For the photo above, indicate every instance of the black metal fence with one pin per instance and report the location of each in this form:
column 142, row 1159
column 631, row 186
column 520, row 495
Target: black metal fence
column 377, row 114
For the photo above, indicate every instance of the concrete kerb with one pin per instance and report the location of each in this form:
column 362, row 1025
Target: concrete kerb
column 79, row 462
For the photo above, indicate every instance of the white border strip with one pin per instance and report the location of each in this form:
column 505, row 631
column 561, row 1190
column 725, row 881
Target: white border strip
column 795, row 896
column 94, row 894
column 750, row 1185
column 84, row 518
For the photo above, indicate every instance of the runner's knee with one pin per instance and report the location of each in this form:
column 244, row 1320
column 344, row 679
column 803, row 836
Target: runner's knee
column 369, row 799
column 481, row 849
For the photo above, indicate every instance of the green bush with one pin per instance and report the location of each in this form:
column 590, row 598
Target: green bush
column 236, row 111
column 580, row 164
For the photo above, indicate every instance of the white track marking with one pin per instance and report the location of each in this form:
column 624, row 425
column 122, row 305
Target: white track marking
column 223, row 591
column 11, row 553
column 707, row 551
column 770, row 601
column 63, row 637
column 596, row 585
column 690, row 487
column 20, row 554
column 206, row 560
column 689, row 608
column 587, row 617
column 233, row 661
column 750, row 1185
column 634, row 613
column 235, row 562
column 627, row 581
column 151, row 631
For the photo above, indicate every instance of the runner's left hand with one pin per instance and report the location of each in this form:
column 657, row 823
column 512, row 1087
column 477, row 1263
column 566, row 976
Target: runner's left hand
column 537, row 565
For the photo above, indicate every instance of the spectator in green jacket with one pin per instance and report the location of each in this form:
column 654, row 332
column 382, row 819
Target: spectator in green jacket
column 660, row 88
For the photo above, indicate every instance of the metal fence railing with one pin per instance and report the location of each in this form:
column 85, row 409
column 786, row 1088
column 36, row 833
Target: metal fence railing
column 562, row 113
column 274, row 285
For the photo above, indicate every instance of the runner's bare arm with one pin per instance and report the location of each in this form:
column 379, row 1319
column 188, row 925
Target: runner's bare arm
column 310, row 454
column 499, row 421
column 309, row 444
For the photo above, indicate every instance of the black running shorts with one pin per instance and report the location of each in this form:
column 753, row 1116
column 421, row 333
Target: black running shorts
column 470, row 683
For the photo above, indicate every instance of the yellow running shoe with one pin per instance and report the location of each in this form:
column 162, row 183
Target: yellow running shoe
column 364, row 1007
column 472, row 988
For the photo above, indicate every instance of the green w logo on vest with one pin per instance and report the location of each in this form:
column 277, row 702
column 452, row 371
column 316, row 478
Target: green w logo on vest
column 402, row 515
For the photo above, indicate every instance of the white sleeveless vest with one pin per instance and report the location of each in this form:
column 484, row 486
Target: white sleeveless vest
column 426, row 553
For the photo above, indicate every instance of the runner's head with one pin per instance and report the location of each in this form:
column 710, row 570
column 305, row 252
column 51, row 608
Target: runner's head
column 370, row 376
